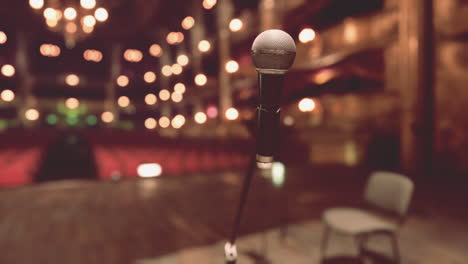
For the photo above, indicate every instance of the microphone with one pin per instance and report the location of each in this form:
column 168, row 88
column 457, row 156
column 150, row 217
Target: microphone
column 273, row 53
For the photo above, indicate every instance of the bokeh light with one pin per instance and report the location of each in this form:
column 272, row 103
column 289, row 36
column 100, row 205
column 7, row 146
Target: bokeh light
column 69, row 13
column 3, row 37
column 149, row 77
column 183, row 60
column 200, row 118
column 232, row 113
column 49, row 50
column 36, row 4
column 200, row 79
column 133, row 55
column 101, row 14
column 87, row 29
column 72, row 80
column 52, row 14
column 151, row 123
column 123, row 101
column 7, row 95
column 212, row 111
column 176, row 69
column 71, row 27
column 149, row 170
column 164, row 122
column 89, row 21
column 166, row 70
column 306, row 35
column 178, row 121
column 177, row 97
column 107, row 117
column 164, row 95
column 179, row 88
column 155, row 50
column 288, row 120
column 151, row 99
column 209, row 4
column 122, row 81
column 306, row 105
column 232, row 66
column 92, row 55
column 188, row 22
column 88, row 4
column 8, row 70
column 72, row 103
column 31, row 114
column 235, row 25
column 204, row 46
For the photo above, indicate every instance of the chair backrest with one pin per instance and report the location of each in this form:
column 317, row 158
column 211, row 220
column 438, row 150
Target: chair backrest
column 389, row 191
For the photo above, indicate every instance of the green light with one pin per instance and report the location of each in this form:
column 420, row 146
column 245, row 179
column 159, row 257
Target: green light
column 278, row 174
column 72, row 120
column 91, row 120
column 51, row 119
column 3, row 124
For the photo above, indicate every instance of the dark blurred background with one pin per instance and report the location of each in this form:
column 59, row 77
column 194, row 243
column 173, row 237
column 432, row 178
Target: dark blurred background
column 96, row 92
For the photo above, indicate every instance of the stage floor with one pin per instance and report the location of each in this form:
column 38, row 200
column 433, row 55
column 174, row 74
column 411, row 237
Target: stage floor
column 167, row 218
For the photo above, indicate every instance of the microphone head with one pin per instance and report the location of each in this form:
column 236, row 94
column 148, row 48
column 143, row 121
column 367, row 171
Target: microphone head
column 273, row 51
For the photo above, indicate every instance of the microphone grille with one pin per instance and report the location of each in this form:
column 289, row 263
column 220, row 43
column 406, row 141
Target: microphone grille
column 274, row 40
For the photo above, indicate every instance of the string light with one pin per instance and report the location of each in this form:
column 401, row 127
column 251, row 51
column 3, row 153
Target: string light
column 122, row 81
column 174, row 38
column 101, row 14
column 72, row 103
column 149, row 77
column 212, row 111
column 204, row 46
column 166, row 70
column 306, row 105
column 107, row 117
column 72, row 80
column 87, row 29
column 52, row 14
column 92, row 55
column 31, row 114
column 176, row 69
column 200, row 118
column 188, row 22
column 8, row 70
column 49, row 50
column 7, row 95
column 177, row 97
column 164, row 122
column 179, row 88
column 71, row 27
column 51, row 22
column 155, row 50
column 123, row 101
column 88, row 4
column 200, row 79
column 306, row 35
column 232, row 113
column 164, row 95
column 151, row 99
column 133, row 55
column 178, row 121
column 183, row 60
column 288, row 120
column 235, row 25
column 89, row 21
column 232, row 66
column 36, row 4
column 151, row 123
column 3, row 37
column 69, row 13
column 208, row 4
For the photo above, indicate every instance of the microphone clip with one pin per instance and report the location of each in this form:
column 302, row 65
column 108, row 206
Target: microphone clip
column 230, row 253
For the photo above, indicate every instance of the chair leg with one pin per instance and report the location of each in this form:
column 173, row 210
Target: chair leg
column 361, row 241
column 324, row 243
column 396, row 252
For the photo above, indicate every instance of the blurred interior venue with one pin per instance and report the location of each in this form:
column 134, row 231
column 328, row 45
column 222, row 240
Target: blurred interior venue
column 128, row 133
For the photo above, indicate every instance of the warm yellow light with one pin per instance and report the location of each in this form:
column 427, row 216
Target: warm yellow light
column 306, row 35
column 87, row 29
column 101, row 14
column 151, row 123
column 88, row 4
column 122, row 81
column 232, row 113
column 92, row 55
column 8, row 70
column 7, row 95
column 49, row 50
column 150, row 77
column 52, row 14
column 31, row 114
column 164, row 95
column 178, row 121
column 51, row 22
column 133, row 55
column 204, row 46
column 200, row 79
column 72, row 103
column 180, row 37
column 3, row 37
column 107, row 117
column 164, row 122
column 200, row 118
column 179, row 88
column 36, row 4
column 71, row 27
column 188, row 23
column 176, row 69
column 183, row 60
column 208, row 4
column 177, row 97
column 69, row 13
column 174, row 38
column 123, row 101
column 235, row 25
column 232, row 66
column 155, row 50
column 149, row 170
column 72, row 79
column 89, row 21
column 306, row 105
column 166, row 70
column 151, row 99
column 288, row 120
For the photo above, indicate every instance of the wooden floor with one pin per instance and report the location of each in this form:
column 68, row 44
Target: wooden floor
column 94, row 222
